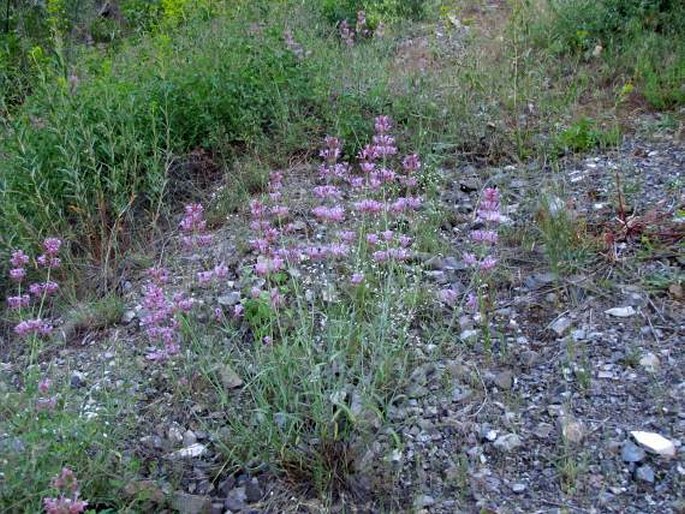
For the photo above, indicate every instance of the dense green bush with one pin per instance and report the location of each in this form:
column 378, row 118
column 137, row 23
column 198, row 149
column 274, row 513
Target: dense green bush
column 643, row 39
column 392, row 10
column 91, row 159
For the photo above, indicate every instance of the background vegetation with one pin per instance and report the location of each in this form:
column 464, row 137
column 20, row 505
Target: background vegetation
column 113, row 115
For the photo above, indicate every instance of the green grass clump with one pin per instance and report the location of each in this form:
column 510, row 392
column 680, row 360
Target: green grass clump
column 643, row 39
column 584, row 135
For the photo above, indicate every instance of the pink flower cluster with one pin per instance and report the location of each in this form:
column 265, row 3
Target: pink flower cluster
column 160, row 319
column 361, row 29
column 268, row 223
column 296, row 48
column 484, row 240
column 45, row 401
column 67, row 502
column 193, row 226
column 488, row 213
column 40, row 290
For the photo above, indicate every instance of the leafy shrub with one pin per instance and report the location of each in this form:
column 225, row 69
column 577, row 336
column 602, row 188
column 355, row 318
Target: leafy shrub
column 639, row 38
column 391, row 10
column 584, row 135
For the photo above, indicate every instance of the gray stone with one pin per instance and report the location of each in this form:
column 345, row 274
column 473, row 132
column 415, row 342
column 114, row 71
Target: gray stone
column 518, row 488
column 543, row 430
column 572, row 431
column 152, row 441
column 191, row 504
column 504, row 379
column 127, row 317
column 632, row 452
column 469, row 335
column 561, row 325
column 78, row 380
column 650, row 362
column 189, row 438
column 645, row 474
column 507, row 442
column 253, row 491
column 236, row 499
column 229, row 299
column 229, row 378
column 175, row 434
column 423, row 501
column 529, row 358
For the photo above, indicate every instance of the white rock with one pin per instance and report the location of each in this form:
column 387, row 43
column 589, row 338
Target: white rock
column 650, row 362
column 655, row 443
column 194, row 450
column 621, row 312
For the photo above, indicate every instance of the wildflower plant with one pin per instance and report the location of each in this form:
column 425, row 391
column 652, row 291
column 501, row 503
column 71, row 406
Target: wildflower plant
column 32, row 301
column 67, row 500
column 481, row 259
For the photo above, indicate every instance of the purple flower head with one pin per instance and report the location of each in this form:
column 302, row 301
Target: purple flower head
column 332, row 214
column 51, row 246
column 266, row 265
column 488, row 209
column 356, row 182
column 256, row 209
column 44, row 385
column 383, row 124
column 338, row 250
column 380, row 256
column 275, row 298
column 182, row 303
column 275, row 180
column 405, row 241
column 324, row 192
column 488, row 264
column 367, row 166
column 17, row 274
column 372, row 239
column 47, row 261
column 348, row 236
column 357, row 279
column 279, row 211
column 43, row 404
column 411, row 163
column 383, row 175
column 368, row 206
column 43, row 288
column 472, row 302
column 331, row 150
column 19, row 259
column 205, row 277
column 193, row 221
column 470, row 259
column 221, row 270
column 66, row 480
column 346, row 33
column 448, row 296
column 368, row 154
column 384, row 145
column 238, row 310
column 158, row 275
column 64, row 505
column 484, row 236
column 18, row 302
column 387, row 235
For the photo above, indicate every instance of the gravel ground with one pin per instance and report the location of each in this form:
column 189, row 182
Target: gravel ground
column 542, row 423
